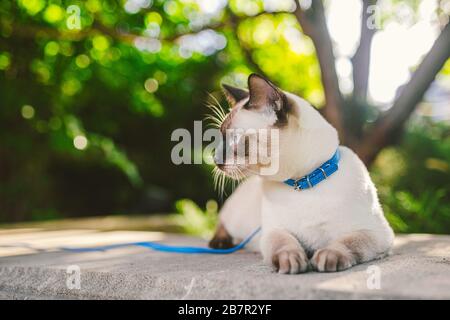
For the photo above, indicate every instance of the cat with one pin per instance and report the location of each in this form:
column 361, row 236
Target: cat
column 330, row 227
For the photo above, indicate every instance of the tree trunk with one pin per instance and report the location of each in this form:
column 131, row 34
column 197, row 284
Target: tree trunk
column 361, row 58
column 313, row 23
column 392, row 122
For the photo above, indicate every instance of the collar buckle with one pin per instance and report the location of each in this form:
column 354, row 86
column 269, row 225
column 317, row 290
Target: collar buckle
column 309, row 182
column 323, row 172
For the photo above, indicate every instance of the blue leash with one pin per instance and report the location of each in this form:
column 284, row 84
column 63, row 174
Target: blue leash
column 167, row 248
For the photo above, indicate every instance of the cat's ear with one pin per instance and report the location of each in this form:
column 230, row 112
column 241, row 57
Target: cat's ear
column 264, row 93
column 234, row 94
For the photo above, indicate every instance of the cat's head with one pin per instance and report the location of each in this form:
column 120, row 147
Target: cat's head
column 263, row 133
column 251, row 130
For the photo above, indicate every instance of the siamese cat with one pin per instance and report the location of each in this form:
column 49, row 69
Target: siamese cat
column 328, row 227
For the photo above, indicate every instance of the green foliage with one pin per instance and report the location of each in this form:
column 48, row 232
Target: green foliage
column 414, row 179
column 272, row 39
column 87, row 114
column 445, row 70
column 196, row 221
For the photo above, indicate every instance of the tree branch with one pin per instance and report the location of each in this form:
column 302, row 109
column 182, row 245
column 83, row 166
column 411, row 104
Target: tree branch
column 313, row 23
column 411, row 94
column 31, row 31
column 361, row 58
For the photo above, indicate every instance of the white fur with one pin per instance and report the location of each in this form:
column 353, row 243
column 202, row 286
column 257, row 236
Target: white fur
column 344, row 203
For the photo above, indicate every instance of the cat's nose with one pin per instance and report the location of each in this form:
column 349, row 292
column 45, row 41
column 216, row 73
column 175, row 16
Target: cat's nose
column 218, row 155
column 219, row 164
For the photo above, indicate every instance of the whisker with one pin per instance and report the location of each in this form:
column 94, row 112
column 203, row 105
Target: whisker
column 215, row 118
column 245, row 169
column 216, row 107
column 221, row 185
column 217, row 103
column 221, row 180
column 213, row 121
column 216, row 111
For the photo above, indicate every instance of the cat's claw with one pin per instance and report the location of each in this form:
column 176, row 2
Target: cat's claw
column 290, row 262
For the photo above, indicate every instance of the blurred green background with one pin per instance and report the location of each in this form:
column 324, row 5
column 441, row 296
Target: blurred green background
column 86, row 114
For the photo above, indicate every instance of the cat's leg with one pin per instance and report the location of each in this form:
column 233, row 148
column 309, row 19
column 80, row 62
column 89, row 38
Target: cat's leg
column 283, row 251
column 240, row 216
column 347, row 251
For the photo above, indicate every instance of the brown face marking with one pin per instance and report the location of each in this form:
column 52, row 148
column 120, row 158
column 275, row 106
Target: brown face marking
column 264, row 94
column 229, row 118
column 282, row 114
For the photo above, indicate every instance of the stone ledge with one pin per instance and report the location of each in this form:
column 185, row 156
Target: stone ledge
column 32, row 268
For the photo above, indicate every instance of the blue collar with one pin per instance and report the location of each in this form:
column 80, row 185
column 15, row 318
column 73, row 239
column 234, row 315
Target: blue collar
column 318, row 175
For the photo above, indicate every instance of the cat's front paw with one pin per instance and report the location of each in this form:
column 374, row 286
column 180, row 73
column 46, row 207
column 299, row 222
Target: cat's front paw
column 222, row 239
column 221, row 243
column 331, row 260
column 290, row 261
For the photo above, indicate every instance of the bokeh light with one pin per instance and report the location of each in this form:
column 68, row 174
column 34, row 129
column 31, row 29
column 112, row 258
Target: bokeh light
column 27, row 112
column 151, row 85
column 80, row 142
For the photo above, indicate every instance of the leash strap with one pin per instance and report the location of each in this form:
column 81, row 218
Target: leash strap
column 168, row 248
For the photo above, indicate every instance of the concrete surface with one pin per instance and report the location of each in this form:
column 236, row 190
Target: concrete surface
column 32, row 268
column 156, row 222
